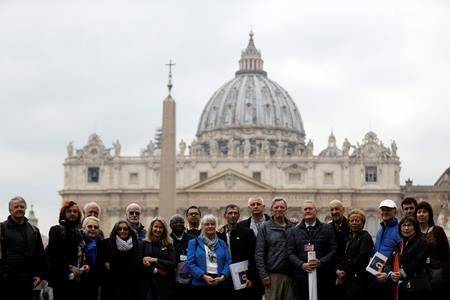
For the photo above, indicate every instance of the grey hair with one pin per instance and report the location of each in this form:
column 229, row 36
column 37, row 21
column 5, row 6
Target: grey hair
column 92, row 204
column 278, row 198
column 255, row 197
column 132, row 205
column 310, row 202
column 207, row 218
column 90, row 218
column 17, row 198
column 175, row 217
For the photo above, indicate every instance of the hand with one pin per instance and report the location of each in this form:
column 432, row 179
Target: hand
column 266, row 281
column 107, row 266
column 293, row 220
column 249, row 283
column 85, row 269
column 221, row 228
column 314, row 263
column 381, row 277
column 395, row 276
column 209, row 280
column 148, row 261
column 36, row 281
column 219, row 279
column 76, row 271
column 340, row 276
column 161, row 272
column 307, row 267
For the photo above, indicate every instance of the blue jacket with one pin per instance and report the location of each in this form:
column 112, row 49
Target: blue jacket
column 388, row 238
column 196, row 260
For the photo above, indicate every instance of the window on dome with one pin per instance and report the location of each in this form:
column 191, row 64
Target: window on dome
column 371, row 174
column 93, row 174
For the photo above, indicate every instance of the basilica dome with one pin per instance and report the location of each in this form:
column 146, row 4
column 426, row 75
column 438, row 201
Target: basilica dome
column 251, row 101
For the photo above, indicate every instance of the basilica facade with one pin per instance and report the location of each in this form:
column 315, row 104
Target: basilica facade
column 250, row 140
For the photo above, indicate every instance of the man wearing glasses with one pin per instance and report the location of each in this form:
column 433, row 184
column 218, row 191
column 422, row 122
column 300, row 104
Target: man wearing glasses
column 133, row 216
column 193, row 216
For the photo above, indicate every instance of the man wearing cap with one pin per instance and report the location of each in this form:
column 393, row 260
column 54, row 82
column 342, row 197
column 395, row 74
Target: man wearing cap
column 388, row 237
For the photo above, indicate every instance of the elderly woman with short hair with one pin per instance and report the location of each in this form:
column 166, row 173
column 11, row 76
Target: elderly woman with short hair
column 93, row 266
column 350, row 272
column 208, row 261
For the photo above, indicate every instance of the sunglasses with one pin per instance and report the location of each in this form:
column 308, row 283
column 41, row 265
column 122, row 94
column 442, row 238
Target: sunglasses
column 122, row 229
column 92, row 227
column 136, row 213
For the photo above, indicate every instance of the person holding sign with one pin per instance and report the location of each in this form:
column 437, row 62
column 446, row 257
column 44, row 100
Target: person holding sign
column 312, row 238
column 241, row 244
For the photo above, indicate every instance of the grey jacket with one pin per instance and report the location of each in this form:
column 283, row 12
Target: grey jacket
column 271, row 254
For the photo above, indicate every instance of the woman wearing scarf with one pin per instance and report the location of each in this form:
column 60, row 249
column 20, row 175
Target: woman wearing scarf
column 93, row 269
column 405, row 269
column 64, row 252
column 157, row 261
column 121, row 261
column 208, row 260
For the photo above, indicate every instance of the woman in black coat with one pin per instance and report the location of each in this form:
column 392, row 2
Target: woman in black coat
column 157, row 261
column 93, row 268
column 406, row 266
column 121, row 261
column 351, row 271
column 65, row 255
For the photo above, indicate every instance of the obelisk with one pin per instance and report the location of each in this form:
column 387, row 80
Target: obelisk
column 167, row 177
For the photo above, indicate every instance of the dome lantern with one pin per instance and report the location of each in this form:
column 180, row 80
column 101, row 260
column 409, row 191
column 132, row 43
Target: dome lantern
column 251, row 61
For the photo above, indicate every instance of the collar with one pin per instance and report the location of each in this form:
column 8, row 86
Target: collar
column 390, row 223
column 313, row 224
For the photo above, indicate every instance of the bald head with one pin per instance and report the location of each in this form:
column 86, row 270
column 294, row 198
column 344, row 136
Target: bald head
column 256, row 206
column 337, row 211
column 92, row 209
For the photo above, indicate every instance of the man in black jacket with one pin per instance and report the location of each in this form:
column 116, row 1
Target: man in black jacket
column 22, row 254
column 340, row 226
column 312, row 235
column 241, row 244
column 257, row 216
column 180, row 242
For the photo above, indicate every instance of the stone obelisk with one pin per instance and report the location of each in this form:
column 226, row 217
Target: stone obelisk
column 167, row 182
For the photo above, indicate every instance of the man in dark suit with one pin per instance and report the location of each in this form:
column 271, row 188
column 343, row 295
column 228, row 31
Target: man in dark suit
column 241, row 244
column 256, row 207
column 311, row 235
column 193, row 215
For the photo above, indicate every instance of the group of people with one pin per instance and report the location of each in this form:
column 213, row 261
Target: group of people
column 190, row 257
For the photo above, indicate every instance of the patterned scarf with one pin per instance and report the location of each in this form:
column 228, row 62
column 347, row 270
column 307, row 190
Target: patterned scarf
column 123, row 245
column 212, row 244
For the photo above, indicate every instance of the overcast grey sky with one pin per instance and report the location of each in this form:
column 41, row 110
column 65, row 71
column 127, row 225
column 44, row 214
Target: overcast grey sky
column 71, row 68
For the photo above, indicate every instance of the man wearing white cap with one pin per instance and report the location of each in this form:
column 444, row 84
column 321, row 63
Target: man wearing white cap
column 387, row 239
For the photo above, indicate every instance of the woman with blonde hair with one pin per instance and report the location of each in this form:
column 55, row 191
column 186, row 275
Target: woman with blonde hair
column 157, row 261
column 350, row 272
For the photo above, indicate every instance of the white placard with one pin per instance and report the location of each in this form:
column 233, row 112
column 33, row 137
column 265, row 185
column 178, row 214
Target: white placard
column 239, row 272
column 376, row 263
column 312, row 278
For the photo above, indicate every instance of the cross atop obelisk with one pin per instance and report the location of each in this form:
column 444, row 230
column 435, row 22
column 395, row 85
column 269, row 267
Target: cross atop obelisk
column 169, row 84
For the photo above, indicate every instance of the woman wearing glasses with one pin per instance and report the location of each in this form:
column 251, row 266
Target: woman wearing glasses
column 157, row 261
column 208, row 260
column 93, row 267
column 121, row 261
column 405, row 269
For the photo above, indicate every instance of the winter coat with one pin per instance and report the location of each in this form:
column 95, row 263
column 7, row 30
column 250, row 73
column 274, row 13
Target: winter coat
column 197, row 260
column 271, row 254
column 387, row 238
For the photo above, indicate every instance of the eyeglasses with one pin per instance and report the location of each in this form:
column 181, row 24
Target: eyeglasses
column 122, row 229
column 136, row 213
column 407, row 225
column 92, row 227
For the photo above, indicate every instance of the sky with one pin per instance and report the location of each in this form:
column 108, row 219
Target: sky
column 72, row 68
